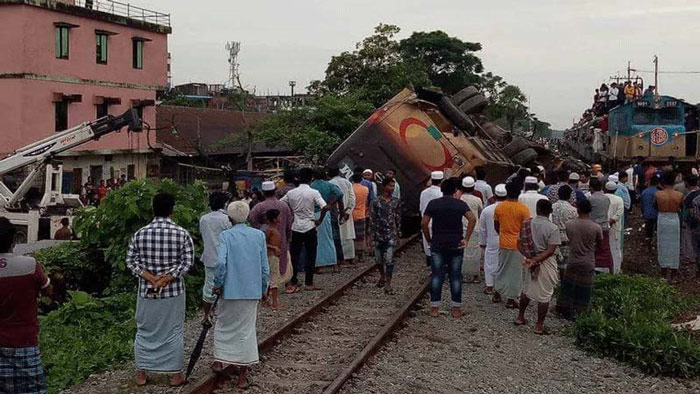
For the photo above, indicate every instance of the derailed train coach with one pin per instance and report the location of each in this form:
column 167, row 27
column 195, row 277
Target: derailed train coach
column 416, row 133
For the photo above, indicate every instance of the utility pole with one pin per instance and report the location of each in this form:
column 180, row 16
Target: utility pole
column 656, row 75
column 629, row 70
column 292, row 84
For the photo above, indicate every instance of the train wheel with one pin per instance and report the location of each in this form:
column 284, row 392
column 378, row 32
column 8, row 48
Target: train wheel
column 524, row 157
column 455, row 115
column 474, row 105
column 466, row 93
column 516, row 145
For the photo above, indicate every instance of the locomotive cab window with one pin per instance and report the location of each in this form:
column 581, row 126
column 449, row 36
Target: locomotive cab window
column 643, row 116
column 669, row 116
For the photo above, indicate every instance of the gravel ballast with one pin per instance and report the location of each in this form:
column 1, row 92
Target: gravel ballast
column 483, row 352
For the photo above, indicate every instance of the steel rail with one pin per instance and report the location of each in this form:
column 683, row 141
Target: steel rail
column 212, row 380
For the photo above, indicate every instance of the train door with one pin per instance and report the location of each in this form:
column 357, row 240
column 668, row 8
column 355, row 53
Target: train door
column 691, row 127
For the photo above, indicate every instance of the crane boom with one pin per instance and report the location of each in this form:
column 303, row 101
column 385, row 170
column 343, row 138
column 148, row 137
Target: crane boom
column 41, row 152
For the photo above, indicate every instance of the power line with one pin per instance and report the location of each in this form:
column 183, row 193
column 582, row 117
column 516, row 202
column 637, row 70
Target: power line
column 665, row 72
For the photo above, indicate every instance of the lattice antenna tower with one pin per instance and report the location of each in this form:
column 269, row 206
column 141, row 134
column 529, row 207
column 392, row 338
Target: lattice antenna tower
column 233, row 47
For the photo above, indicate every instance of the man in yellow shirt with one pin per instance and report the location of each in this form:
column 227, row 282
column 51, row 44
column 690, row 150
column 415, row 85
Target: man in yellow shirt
column 508, row 220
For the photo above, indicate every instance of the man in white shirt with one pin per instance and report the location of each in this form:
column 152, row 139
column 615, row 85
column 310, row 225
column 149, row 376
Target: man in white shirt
column 482, row 187
column 427, row 196
column 211, row 226
column 616, row 212
column 531, row 195
column 303, row 200
column 488, row 239
column 347, row 226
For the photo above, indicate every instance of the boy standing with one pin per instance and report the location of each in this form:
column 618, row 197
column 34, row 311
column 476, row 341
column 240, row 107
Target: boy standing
column 385, row 222
column 274, row 250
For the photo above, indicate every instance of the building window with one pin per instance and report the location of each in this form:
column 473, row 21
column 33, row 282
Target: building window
column 102, row 110
column 101, row 48
column 139, row 111
column 61, row 114
column 62, row 40
column 137, row 54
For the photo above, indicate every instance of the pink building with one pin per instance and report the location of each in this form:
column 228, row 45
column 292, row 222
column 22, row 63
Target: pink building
column 71, row 61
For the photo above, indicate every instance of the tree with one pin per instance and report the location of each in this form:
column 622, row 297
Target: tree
column 449, row 62
column 511, row 105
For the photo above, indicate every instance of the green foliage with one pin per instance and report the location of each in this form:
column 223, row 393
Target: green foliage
column 86, row 335
column 509, row 104
column 631, row 321
column 111, row 225
column 183, row 101
column 314, row 130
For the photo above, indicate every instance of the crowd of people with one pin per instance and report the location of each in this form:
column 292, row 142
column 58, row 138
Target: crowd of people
column 93, row 192
column 529, row 235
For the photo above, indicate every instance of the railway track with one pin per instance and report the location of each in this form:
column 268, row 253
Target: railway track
column 320, row 348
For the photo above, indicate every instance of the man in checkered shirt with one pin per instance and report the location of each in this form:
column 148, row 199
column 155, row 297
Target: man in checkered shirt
column 160, row 254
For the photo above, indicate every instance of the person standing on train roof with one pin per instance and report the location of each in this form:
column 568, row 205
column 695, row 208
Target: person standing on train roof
column 488, row 239
column 426, row 196
column 447, row 245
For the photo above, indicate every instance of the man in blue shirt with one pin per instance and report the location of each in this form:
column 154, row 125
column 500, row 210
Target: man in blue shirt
column 649, row 211
column 241, row 279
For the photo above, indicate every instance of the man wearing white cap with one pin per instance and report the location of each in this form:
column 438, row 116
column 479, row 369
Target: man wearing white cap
column 579, row 195
column 347, row 225
column 258, row 217
column 488, row 239
column 471, row 263
column 427, row 196
column 531, row 195
column 616, row 212
column 368, row 177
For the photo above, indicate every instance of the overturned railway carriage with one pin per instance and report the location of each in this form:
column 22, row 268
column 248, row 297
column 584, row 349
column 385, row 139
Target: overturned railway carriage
column 654, row 127
column 416, row 133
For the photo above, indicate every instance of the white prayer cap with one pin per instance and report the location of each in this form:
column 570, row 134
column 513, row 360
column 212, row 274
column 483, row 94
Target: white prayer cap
column 613, row 178
column 437, row 175
column 268, row 186
column 530, row 179
column 238, row 211
column 611, row 185
column 540, row 168
column 367, row 171
column 574, row 176
column 501, row 190
column 468, row 181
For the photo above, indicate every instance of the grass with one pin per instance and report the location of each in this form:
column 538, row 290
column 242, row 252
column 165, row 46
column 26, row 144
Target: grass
column 631, row 322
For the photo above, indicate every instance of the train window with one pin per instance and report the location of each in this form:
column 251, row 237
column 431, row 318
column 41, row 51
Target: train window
column 669, row 116
column 643, row 116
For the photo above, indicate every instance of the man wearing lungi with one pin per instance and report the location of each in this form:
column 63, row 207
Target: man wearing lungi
column 600, row 206
column 488, row 239
column 345, row 220
column 160, row 254
column 508, row 220
column 242, row 276
column 21, row 281
column 542, row 274
column 668, row 238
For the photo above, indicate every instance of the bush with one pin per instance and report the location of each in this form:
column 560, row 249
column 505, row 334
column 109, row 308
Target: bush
column 86, row 335
column 111, row 225
column 631, row 322
column 74, row 266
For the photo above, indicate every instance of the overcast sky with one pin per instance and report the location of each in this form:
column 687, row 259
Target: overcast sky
column 556, row 51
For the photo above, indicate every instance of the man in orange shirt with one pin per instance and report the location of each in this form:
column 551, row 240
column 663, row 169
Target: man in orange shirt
column 359, row 215
column 508, row 220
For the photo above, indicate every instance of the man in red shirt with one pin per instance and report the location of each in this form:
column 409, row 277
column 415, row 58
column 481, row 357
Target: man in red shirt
column 21, row 280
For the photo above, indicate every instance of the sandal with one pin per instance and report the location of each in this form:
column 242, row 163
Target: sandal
column 381, row 283
column 517, row 323
column 543, row 332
